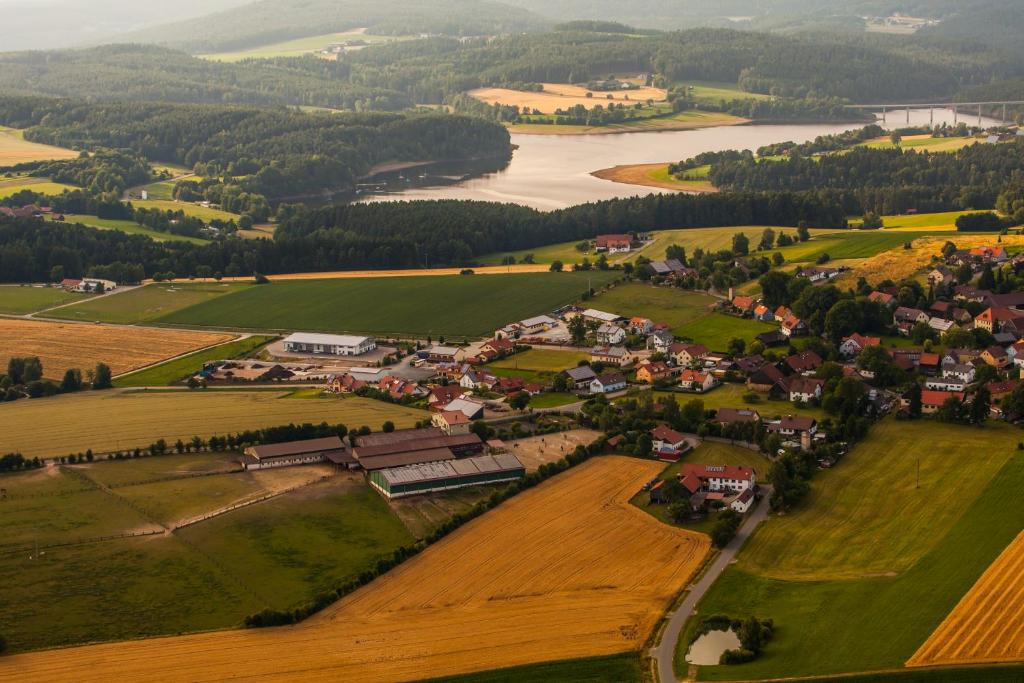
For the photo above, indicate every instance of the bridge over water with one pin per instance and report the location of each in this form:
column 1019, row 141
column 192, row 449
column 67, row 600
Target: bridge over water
column 957, row 107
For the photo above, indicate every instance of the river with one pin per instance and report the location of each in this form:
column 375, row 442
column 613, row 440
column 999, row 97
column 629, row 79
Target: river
column 553, row 171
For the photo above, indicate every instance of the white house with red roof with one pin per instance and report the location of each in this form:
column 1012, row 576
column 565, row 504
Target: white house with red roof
column 717, row 478
column 856, row 342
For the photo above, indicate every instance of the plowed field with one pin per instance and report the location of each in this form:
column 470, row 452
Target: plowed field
column 568, row 569
column 987, row 625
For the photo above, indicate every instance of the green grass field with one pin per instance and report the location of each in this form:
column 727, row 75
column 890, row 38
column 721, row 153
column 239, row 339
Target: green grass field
column 117, row 473
column 146, row 304
column 623, row 668
column 668, row 305
column 38, row 185
column 120, row 420
column 541, row 360
column 852, row 245
column 173, row 371
column 453, row 306
column 716, row 91
column 300, row 46
column 188, row 208
column 130, row 227
column 731, row 396
column 923, row 143
column 863, row 573
column 19, row 300
column 943, row 220
column 717, row 329
column 552, row 400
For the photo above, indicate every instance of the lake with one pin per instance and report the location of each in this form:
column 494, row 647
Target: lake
column 553, row 171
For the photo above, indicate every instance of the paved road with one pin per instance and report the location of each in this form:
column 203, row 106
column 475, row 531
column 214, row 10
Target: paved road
column 664, row 651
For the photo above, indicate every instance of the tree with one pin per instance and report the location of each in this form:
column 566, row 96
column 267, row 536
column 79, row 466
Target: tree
column 872, row 221
column 16, row 370
column 767, row 240
column 964, row 274
column 737, row 346
column 556, row 266
column 778, row 259
column 72, row 381
column 921, row 332
column 843, row 319
column 987, row 280
column 725, row 527
column 775, row 288
column 578, row 330
column 388, row 427
column 802, row 232
column 101, row 378
column 740, row 244
column 980, row 406
column 914, row 400
column 520, row 400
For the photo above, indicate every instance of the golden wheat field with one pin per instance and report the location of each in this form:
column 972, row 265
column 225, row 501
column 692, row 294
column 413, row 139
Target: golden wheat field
column 567, row 569
column 64, row 345
column 563, row 96
column 987, row 625
column 897, row 264
column 14, row 149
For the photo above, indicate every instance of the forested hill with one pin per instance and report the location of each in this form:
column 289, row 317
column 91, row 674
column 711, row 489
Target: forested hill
column 145, row 72
column 271, row 151
column 270, row 21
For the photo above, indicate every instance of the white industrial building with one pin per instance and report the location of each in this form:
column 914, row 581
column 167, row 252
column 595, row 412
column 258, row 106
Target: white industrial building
column 331, row 344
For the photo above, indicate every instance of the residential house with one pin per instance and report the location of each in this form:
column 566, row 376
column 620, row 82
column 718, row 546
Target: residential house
column 855, row 343
column 913, row 316
column 816, row 274
column 666, row 439
column 941, row 325
column 610, row 335
column 765, row 379
column 717, row 478
column 773, row 338
column 749, row 364
column 641, row 326
column 793, row 327
column 804, row 363
column 695, row 380
column 883, row 298
column 614, row 244
column 945, row 384
column 929, row 363
column 451, row 422
column 1001, row 389
column 743, row 304
column 971, row 293
column 805, row 389
column 995, row 254
column 961, row 371
column 443, row 354
column 763, row 313
column 580, row 378
column 661, row 341
column 729, row 416
column 685, row 355
column 652, row 372
column 996, row 356
column 1016, row 353
column 940, row 276
column 996, row 318
column 743, row 501
column 611, row 355
column 498, row 346
column 796, row 429
column 608, row 383
column 473, row 410
column 478, row 379
column 942, row 309
column 781, row 313
column 931, row 401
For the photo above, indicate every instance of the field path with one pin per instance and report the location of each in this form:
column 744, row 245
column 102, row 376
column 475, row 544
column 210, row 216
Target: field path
column 567, row 569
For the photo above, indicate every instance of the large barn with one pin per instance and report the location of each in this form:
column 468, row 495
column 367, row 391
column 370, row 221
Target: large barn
column 327, row 449
column 397, row 482
column 330, row 344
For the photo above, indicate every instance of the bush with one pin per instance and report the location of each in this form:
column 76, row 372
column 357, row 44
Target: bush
column 979, row 222
column 739, row 656
column 725, row 528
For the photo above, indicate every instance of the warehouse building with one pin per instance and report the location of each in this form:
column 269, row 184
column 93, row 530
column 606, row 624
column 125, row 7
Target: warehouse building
column 306, row 452
column 398, row 482
column 330, row 344
column 414, row 447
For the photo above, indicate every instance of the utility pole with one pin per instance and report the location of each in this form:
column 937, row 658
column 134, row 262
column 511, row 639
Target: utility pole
column 918, row 485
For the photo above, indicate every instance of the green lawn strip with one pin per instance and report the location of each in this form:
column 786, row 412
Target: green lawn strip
column 175, row 370
column 542, row 360
column 716, row 330
column 130, row 227
column 34, row 185
column 145, row 304
column 668, row 305
column 552, row 400
column 453, row 306
column 856, row 625
column 621, row 668
column 19, row 300
column 305, row 542
column 730, row 395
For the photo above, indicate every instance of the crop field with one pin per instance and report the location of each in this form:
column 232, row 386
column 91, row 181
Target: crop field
column 175, row 370
column 130, row 228
column 300, row 46
column 118, row 420
column 68, row 345
column 985, row 626
column 668, row 305
column 465, row 306
column 563, row 96
column 932, row 221
column 12, row 186
column 716, row 330
column 535, row 580
column 19, row 300
column 146, row 304
column 886, row 564
column 14, row 149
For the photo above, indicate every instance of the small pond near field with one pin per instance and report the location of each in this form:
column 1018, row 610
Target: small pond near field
column 706, row 650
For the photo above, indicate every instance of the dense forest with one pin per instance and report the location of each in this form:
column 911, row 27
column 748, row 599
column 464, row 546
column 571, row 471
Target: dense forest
column 275, row 152
column 270, row 21
column 887, row 181
column 389, row 235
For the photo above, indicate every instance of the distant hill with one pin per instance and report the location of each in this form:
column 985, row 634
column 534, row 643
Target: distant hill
column 271, row 21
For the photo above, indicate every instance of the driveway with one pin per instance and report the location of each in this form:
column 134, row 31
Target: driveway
column 664, row 651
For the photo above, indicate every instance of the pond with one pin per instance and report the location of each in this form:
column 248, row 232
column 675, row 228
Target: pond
column 708, row 649
column 553, row 171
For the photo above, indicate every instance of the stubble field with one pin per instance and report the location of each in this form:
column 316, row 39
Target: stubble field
column 568, row 569
column 986, row 626
column 61, row 346
column 14, row 149
column 564, row 96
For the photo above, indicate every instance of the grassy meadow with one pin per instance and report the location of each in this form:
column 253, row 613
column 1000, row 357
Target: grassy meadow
column 862, row 573
column 19, row 300
column 12, row 186
column 190, row 209
column 730, row 395
column 147, row 304
column 124, row 419
column 716, row 330
column 668, row 305
column 130, row 227
column 623, row 668
column 173, row 371
column 15, row 149
column 300, row 46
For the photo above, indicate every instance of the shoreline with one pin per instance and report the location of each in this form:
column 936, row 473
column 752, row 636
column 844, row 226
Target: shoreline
column 622, row 128
column 639, row 174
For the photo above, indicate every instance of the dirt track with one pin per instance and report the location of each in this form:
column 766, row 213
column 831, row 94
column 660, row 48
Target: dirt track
column 568, row 569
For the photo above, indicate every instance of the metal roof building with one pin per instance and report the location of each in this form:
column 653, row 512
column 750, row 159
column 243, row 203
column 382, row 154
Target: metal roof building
column 397, row 482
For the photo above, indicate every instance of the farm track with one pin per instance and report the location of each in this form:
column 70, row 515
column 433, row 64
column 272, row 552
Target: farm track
column 987, row 625
column 568, row 569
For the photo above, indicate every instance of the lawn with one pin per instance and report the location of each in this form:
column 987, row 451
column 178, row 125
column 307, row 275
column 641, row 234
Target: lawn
column 731, row 396
column 452, row 306
column 13, row 186
column 624, row 668
column 668, row 305
column 852, row 245
column 717, row 329
column 552, row 400
column 923, row 143
column 936, row 221
column 146, row 304
column 19, row 300
column 129, row 227
column 541, row 360
column 716, row 91
column 125, row 419
column 905, row 562
column 173, row 371
column 190, row 209
column 300, row 46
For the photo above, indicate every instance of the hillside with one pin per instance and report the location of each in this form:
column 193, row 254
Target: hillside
column 270, row 21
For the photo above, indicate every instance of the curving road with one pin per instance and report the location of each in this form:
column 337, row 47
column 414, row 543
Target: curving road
column 664, row 651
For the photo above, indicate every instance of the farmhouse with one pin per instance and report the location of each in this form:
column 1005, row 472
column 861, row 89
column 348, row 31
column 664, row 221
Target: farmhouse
column 961, row 371
column 945, row 384
column 793, row 327
column 781, row 313
column 443, row 395
column 997, row 318
column 330, row 344
column 743, row 501
column 763, row 313
column 601, row 317
column 641, row 326
column 297, row 453
column 805, row 389
column 904, row 314
column 540, row 323
column 743, row 304
column 931, row 401
column 694, row 380
column 409, row 480
column 611, row 355
column 792, row 426
column 613, row 243
column 688, row 354
column 89, row 284
column 661, row 341
column 474, row 410
column 816, row 274
column 729, row 416
column 581, row 377
column 804, row 363
column 883, row 298
column 451, row 422
column 773, row 338
column 667, row 444
column 765, row 379
column 413, row 447
column 717, row 478
column 996, row 356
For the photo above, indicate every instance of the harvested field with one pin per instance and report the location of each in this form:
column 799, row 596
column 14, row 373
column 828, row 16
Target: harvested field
column 986, row 625
column 61, row 346
column 116, row 420
column 899, row 263
column 535, row 580
column 563, row 96
column 14, row 149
